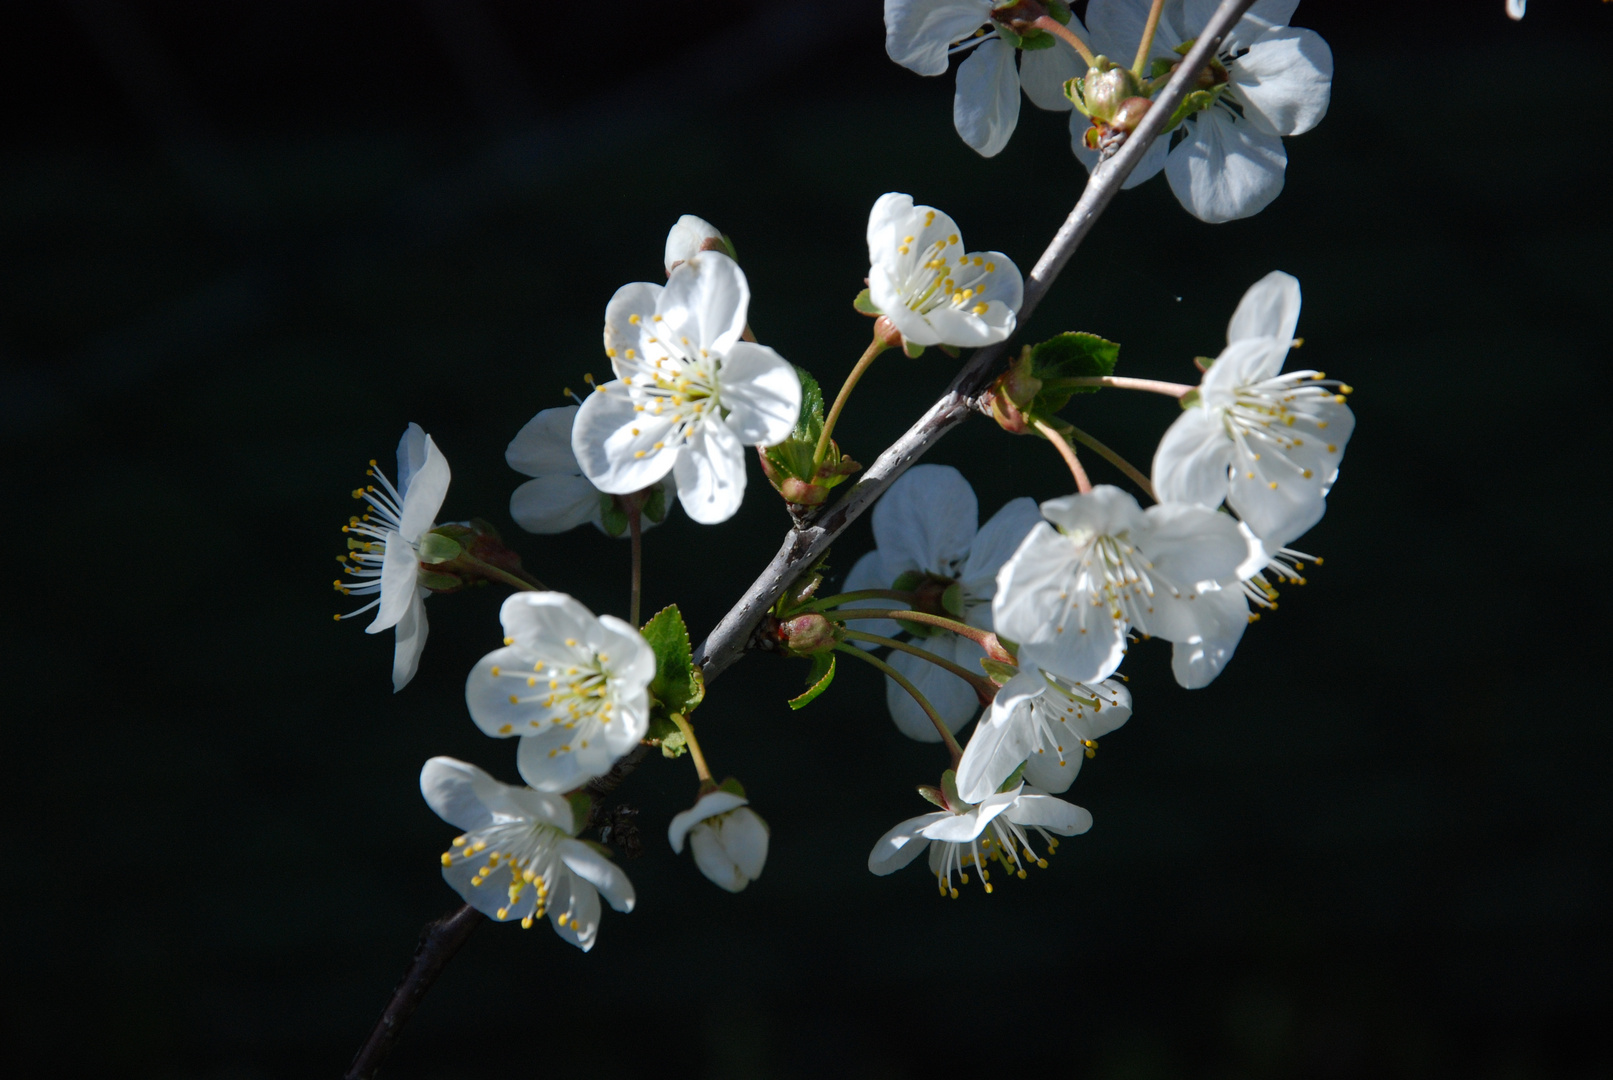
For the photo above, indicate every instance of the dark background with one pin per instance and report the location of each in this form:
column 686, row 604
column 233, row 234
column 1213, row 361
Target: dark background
column 244, row 244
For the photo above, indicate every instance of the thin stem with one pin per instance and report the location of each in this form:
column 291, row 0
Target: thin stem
column 525, row 584
column 862, row 594
column 984, row 638
column 929, row 710
column 983, row 686
column 1146, row 46
column 1114, row 459
column 439, row 941
column 693, row 744
column 874, row 349
column 635, row 532
column 1120, row 382
column 1059, row 30
column 1067, row 452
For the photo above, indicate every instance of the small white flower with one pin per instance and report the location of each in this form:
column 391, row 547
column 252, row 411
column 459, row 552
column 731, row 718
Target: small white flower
column 1070, row 595
column 689, row 394
column 1268, row 445
column 727, row 837
column 934, row 291
column 388, row 563
column 924, row 527
column 687, row 238
column 559, row 498
column 922, row 35
column 1229, row 160
column 1046, row 723
column 1515, row 8
column 955, row 836
column 517, row 860
column 573, row 688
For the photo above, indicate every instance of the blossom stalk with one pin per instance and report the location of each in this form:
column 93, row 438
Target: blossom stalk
column 984, row 638
column 695, row 753
column 1136, row 475
column 1147, row 44
column 982, row 685
column 864, row 362
column 1067, row 452
column 1070, row 37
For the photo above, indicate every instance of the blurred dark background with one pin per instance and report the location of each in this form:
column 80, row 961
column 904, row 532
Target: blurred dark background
column 244, row 244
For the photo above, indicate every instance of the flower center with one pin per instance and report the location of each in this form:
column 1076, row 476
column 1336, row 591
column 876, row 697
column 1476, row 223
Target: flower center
column 1269, row 420
column 1003, row 843
column 516, row 857
column 937, row 277
column 577, row 695
column 679, row 386
column 1062, row 713
column 1114, row 574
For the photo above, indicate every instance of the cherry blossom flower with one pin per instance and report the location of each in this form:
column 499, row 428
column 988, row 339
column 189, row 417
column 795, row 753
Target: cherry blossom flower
column 927, row 541
column 571, row 686
column 387, row 563
column 1229, row 159
column 728, row 838
column 1267, row 444
column 689, row 394
column 1045, row 723
column 560, row 497
column 934, row 291
column 996, row 829
column 518, row 860
column 1071, row 595
column 923, row 35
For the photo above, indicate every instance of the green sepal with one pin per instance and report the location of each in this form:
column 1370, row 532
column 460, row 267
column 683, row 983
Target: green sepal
column 581, row 803
column 733, row 787
column 1185, row 47
column 1189, row 399
column 612, row 518
column 436, row 582
column 655, row 504
column 1060, row 11
column 1013, row 39
column 678, row 686
column 674, row 744
column 791, row 460
column 1076, row 90
column 949, row 791
column 907, row 582
column 1069, row 355
column 912, row 350
column 932, row 795
column 1160, row 67
column 998, row 671
column 1036, row 39
column 1196, row 102
column 437, row 548
column 952, row 600
column 823, row 668
column 865, row 303
column 951, row 350
column 1015, row 778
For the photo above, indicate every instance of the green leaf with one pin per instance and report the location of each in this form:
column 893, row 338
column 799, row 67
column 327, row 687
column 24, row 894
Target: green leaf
column 865, row 304
column 1071, row 355
column 678, row 686
column 793, row 456
column 821, row 685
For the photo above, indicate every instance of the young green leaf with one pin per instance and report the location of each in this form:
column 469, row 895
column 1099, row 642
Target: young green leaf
column 677, row 686
column 1067, row 356
column 827, row 677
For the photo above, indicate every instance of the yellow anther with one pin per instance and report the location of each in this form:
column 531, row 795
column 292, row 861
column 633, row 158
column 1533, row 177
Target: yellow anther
column 633, row 319
column 1332, row 449
column 631, row 353
column 503, row 912
column 447, row 859
column 988, row 886
column 495, row 666
column 1022, row 873
column 979, row 261
column 514, row 700
column 901, row 249
column 459, row 841
column 505, row 730
column 953, row 239
column 953, row 892
column 655, row 318
column 929, row 218
column 507, row 641
column 526, row 923
column 611, row 353
column 1306, row 474
column 532, row 680
column 1274, row 485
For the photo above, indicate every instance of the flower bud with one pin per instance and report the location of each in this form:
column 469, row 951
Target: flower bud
column 690, row 236
column 728, row 839
column 1106, row 87
column 807, row 634
column 1131, row 113
column 1012, row 393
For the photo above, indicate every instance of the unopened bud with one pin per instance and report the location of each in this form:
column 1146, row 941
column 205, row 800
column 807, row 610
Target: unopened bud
column 1012, row 393
column 690, row 236
column 807, row 634
column 1131, row 113
column 1106, row 87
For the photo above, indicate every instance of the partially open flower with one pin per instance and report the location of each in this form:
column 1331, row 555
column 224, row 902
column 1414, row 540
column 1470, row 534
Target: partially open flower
column 728, row 838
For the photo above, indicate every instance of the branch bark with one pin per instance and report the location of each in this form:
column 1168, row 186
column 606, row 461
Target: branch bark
column 802, row 546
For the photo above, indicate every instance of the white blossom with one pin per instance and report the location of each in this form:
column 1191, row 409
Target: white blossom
column 571, row 686
column 1267, row 444
column 728, row 838
column 387, row 563
column 925, row 527
column 1045, row 723
column 689, row 394
column 1515, row 8
column 934, row 291
column 996, row 829
column 1071, row 595
column 559, row 497
column 518, row 859
column 1228, row 161
column 686, row 239
column 922, row 35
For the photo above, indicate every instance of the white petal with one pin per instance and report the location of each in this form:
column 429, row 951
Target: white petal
column 1515, row 8
column 1243, row 363
column 1269, row 309
column 411, row 642
column 543, row 445
column 953, row 699
column 1198, row 660
column 1189, row 544
column 1054, row 815
column 542, row 621
column 1036, row 606
column 555, row 504
column 745, row 837
column 961, row 828
column 423, row 495
column 1116, row 27
column 411, row 454
column 578, row 900
column 705, row 300
column 1190, row 464
column 762, row 393
column 997, row 539
column 487, row 696
column 713, row 859
column 450, row 788
column 1048, row 772
column 615, row 444
column 400, row 574
column 599, row 872
column 1279, row 503
column 1105, row 509
column 630, row 311
column 1003, row 739
column 1261, row 16
column 1225, row 170
column 685, row 238
column 902, row 844
column 1043, row 73
column 926, row 521
column 985, row 106
column 708, row 805
column 544, row 764
column 631, row 658
column 710, row 471
column 1284, row 80
column 919, row 32
column 1146, row 169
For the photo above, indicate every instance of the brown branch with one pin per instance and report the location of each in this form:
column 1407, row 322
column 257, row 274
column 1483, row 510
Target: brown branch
column 808, row 540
